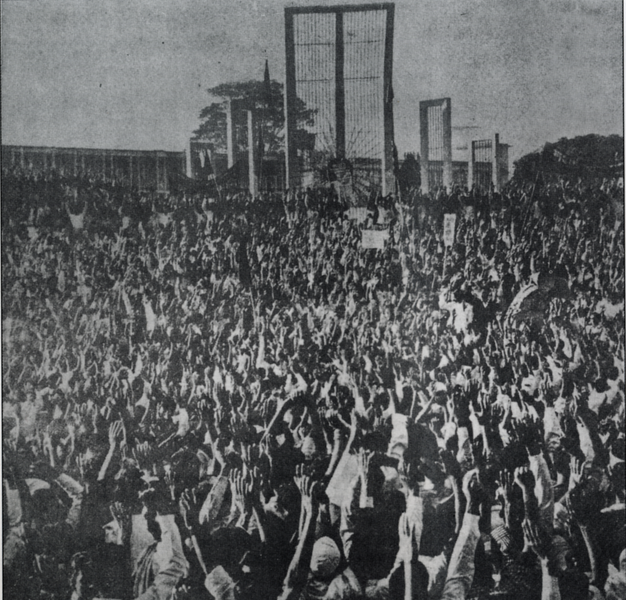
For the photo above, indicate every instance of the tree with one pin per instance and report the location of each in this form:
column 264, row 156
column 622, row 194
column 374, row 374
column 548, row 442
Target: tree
column 588, row 156
column 268, row 104
column 409, row 176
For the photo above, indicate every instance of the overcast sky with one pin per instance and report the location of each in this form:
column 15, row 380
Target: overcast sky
column 134, row 74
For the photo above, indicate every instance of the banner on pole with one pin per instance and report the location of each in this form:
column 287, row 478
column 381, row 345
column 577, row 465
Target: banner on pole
column 374, row 238
column 449, row 225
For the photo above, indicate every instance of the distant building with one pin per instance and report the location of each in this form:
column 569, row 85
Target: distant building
column 140, row 169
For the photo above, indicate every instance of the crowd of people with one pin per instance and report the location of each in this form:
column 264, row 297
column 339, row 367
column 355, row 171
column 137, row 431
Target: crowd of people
column 232, row 398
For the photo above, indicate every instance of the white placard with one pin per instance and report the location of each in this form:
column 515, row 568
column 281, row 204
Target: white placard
column 449, row 224
column 373, row 238
column 357, row 213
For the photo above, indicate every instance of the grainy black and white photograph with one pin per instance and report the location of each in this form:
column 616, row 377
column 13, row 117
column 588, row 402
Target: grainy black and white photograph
column 313, row 300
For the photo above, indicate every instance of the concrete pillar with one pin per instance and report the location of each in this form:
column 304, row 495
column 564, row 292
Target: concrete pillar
column 470, row 166
column 340, row 93
column 292, row 172
column 389, row 167
column 230, row 134
column 495, row 170
column 188, row 169
column 447, row 143
column 251, row 161
column 424, row 147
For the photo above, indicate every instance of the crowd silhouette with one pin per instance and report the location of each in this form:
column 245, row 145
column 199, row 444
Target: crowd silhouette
column 230, row 397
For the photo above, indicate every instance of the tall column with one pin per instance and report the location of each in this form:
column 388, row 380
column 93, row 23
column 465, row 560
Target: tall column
column 446, row 114
column 188, row 156
column 388, row 174
column 291, row 152
column 425, row 184
column 251, row 162
column 470, row 166
column 495, row 171
column 230, row 135
column 340, row 92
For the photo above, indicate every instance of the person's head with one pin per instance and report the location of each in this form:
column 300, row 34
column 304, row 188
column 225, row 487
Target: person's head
column 47, row 508
column 561, row 555
column 82, row 575
column 309, row 448
column 151, row 513
column 595, row 593
column 615, row 587
column 112, row 533
column 325, row 558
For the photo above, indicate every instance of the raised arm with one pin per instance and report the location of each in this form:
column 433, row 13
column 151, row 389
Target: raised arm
column 461, row 569
column 296, row 577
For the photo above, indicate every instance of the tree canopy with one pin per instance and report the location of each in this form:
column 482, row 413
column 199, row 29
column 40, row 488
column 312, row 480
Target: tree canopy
column 588, row 156
column 266, row 100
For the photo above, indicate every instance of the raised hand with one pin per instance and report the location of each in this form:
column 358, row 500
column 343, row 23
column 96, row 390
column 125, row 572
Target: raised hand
column 536, row 538
column 143, row 455
column 577, row 468
column 46, row 443
column 189, row 507
column 461, row 408
column 450, row 464
column 308, row 490
column 524, row 479
column 506, row 491
column 474, row 492
column 412, row 475
column 405, row 532
column 115, row 431
column 363, row 463
column 122, row 515
column 585, row 501
column 526, row 482
column 240, row 491
column 170, row 479
column 530, row 436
